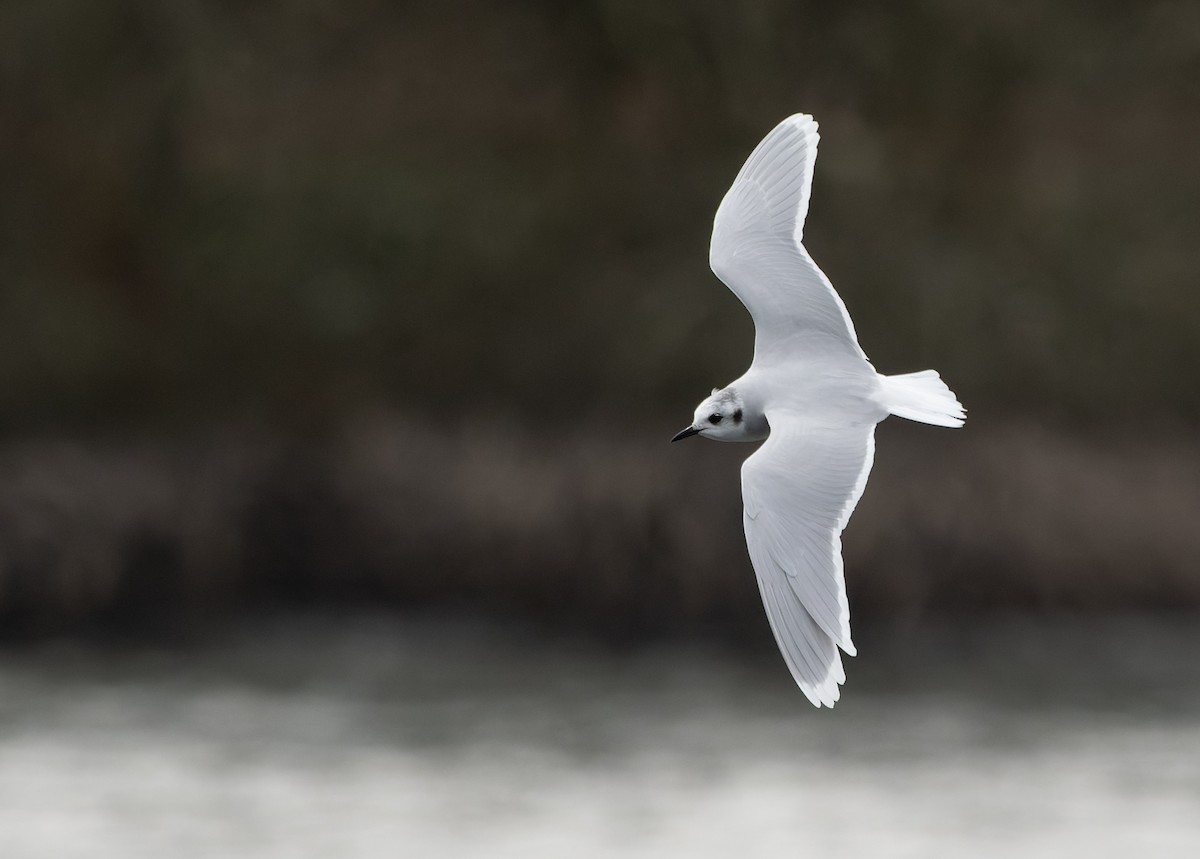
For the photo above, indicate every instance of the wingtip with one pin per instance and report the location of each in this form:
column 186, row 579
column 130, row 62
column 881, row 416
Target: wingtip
column 826, row 693
column 823, row 696
column 804, row 122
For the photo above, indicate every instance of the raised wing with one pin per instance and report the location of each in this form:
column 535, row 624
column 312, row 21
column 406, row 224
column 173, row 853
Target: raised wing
column 756, row 249
column 799, row 490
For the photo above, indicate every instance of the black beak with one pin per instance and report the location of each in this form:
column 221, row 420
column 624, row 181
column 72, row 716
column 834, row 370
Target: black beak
column 682, row 434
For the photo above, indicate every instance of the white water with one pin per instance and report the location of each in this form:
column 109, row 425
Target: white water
column 365, row 737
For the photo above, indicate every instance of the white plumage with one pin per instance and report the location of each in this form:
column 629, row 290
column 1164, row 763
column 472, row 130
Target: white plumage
column 815, row 398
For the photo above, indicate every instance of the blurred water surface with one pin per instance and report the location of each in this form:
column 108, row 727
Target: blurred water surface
column 398, row 736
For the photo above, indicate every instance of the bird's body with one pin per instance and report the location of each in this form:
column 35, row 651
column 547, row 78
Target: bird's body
column 812, row 395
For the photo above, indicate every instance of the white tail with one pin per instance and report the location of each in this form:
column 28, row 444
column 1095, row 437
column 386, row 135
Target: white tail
column 922, row 397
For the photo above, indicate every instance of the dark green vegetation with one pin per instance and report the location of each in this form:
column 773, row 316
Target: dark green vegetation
column 307, row 204
column 288, row 214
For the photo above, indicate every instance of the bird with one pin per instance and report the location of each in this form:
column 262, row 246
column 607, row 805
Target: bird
column 811, row 397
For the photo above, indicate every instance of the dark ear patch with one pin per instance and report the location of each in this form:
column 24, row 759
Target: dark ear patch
column 737, row 416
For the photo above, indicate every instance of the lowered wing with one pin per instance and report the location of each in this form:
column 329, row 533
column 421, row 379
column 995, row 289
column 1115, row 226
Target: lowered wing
column 799, row 490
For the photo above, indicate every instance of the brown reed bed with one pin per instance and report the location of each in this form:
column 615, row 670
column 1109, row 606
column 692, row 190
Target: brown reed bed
column 617, row 535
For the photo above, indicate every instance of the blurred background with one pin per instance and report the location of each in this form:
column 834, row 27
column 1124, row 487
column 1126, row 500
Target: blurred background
column 340, row 346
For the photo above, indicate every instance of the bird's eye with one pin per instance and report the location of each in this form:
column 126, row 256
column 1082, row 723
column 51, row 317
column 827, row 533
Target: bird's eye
column 714, row 419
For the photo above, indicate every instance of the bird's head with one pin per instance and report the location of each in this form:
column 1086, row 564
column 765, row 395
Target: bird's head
column 719, row 417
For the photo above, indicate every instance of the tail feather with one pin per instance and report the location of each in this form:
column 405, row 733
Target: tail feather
column 922, row 397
